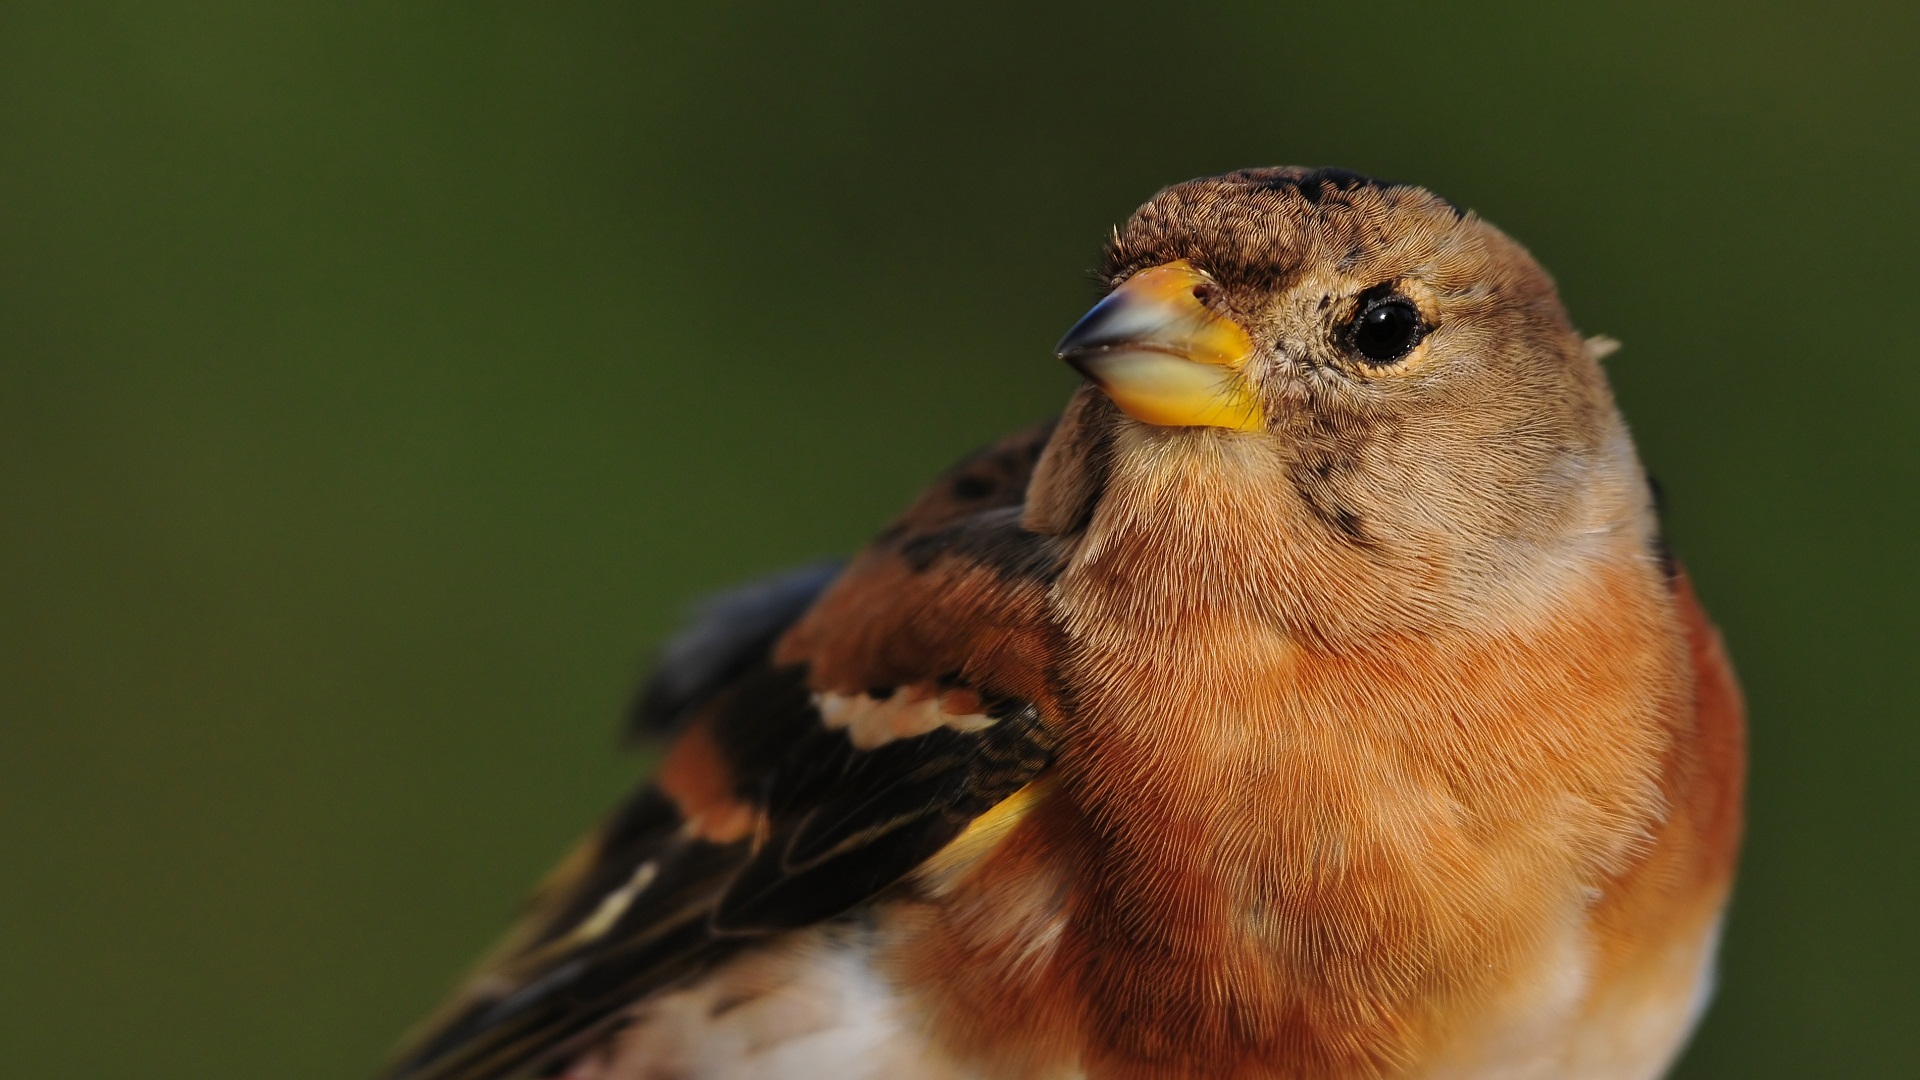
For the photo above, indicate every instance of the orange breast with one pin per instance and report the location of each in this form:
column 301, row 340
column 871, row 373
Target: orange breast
column 1260, row 858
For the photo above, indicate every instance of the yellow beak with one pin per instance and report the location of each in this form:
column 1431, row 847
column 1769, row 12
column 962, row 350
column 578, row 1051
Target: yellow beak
column 1163, row 356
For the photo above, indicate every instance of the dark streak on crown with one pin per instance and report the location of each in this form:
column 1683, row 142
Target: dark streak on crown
column 1207, row 220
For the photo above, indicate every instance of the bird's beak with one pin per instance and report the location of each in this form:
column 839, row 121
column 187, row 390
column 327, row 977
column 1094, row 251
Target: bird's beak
column 1163, row 356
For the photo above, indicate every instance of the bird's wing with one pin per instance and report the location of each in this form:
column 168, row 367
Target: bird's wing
column 833, row 733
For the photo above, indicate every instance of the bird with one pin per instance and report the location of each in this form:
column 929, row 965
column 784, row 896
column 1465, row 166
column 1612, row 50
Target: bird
column 1314, row 698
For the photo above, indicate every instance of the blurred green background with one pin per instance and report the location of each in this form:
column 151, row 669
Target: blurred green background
column 378, row 382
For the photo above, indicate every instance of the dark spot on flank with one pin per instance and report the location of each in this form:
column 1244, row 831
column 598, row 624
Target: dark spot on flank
column 880, row 693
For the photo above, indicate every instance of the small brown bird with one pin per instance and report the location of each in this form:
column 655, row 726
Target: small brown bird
column 1314, row 700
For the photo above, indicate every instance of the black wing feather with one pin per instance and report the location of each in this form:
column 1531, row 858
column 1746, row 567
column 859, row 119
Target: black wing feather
column 646, row 904
column 842, row 825
column 727, row 636
column 879, row 814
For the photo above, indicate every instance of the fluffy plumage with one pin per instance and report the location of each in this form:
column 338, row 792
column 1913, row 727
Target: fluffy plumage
column 1313, row 700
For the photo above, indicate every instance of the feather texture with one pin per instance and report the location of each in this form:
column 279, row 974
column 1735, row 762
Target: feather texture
column 1373, row 734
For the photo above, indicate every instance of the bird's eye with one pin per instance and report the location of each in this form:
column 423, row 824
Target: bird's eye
column 1386, row 329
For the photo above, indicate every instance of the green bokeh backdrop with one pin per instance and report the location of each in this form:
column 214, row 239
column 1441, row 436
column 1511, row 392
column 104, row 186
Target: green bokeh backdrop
column 378, row 382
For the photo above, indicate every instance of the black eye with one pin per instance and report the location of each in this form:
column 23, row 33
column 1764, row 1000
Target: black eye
column 1386, row 329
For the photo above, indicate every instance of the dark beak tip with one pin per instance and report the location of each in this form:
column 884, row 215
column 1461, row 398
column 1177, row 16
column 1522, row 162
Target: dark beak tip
column 1073, row 341
column 1091, row 331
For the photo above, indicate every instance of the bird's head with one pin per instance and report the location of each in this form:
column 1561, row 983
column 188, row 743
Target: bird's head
column 1394, row 379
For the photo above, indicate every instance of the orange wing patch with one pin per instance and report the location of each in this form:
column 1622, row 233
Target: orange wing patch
column 696, row 777
column 792, row 793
